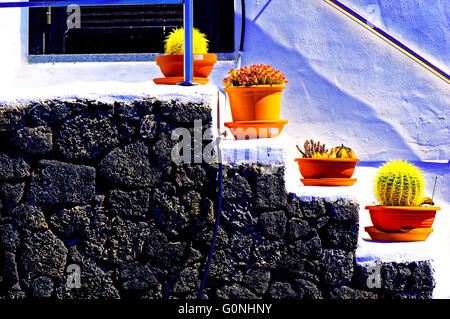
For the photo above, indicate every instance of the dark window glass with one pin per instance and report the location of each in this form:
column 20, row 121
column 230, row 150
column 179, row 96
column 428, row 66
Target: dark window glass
column 127, row 29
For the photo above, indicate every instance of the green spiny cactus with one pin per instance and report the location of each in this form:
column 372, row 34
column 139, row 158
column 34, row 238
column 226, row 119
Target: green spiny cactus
column 399, row 183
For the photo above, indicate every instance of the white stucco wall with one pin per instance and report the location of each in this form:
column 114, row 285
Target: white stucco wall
column 348, row 85
column 423, row 24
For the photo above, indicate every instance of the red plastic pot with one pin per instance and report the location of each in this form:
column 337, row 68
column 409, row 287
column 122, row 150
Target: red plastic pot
column 400, row 218
column 327, row 167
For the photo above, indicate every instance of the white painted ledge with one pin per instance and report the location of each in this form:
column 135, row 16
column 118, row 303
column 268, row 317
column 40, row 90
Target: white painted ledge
column 110, row 91
column 267, row 151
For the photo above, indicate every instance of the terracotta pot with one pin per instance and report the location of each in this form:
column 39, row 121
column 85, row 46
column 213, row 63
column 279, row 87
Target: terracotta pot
column 255, row 103
column 327, row 167
column 172, row 65
column 399, row 218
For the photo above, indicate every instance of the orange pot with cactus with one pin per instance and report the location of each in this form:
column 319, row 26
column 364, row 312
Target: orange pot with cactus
column 404, row 214
column 333, row 168
column 255, row 93
column 255, row 100
column 172, row 63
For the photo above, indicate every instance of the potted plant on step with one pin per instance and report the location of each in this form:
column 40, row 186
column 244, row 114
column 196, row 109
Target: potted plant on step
column 255, row 100
column 404, row 214
column 322, row 168
column 172, row 63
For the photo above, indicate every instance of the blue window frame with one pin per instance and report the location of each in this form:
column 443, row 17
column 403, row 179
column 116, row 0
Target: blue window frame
column 126, row 29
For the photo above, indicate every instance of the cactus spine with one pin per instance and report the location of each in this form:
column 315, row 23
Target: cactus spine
column 399, row 183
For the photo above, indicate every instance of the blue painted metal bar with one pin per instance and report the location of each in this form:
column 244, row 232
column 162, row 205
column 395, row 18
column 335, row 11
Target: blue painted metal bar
column 188, row 13
column 65, row 3
column 386, row 36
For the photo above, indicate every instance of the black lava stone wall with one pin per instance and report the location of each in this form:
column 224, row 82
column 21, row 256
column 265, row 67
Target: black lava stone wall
column 92, row 184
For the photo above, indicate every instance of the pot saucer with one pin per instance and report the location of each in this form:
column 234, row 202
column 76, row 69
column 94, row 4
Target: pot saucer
column 412, row 234
column 243, row 130
column 328, row 181
column 177, row 79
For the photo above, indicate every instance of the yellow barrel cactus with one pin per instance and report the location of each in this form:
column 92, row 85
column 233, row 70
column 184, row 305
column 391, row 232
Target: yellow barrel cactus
column 174, row 42
column 399, row 183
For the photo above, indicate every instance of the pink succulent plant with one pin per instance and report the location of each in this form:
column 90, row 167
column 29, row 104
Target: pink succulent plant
column 254, row 75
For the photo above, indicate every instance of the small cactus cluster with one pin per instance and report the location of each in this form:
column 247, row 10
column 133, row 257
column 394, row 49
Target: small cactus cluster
column 311, row 148
column 174, row 42
column 317, row 150
column 399, row 183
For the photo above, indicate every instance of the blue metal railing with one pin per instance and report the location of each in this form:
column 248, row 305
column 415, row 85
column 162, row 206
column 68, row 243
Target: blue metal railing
column 188, row 21
column 390, row 39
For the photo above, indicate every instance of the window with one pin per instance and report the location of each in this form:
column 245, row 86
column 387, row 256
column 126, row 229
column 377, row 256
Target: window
column 127, row 29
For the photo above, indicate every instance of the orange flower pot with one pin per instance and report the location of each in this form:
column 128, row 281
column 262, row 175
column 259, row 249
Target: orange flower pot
column 172, row 65
column 401, row 218
column 255, row 103
column 327, row 167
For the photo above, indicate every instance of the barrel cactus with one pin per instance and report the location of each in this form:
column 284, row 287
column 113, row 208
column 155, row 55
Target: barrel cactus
column 399, row 183
column 174, row 42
